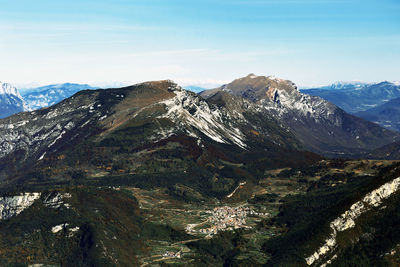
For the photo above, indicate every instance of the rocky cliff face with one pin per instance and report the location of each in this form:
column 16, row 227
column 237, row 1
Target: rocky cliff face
column 225, row 119
column 14, row 205
column 188, row 111
column 347, row 220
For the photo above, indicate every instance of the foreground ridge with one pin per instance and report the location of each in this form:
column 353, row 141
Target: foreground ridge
column 347, row 219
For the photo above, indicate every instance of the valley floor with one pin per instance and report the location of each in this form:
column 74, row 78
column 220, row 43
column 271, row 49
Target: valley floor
column 243, row 210
column 156, row 226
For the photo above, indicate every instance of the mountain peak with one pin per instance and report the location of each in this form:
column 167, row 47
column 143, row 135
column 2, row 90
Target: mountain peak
column 8, row 89
column 386, row 83
column 256, row 87
column 163, row 84
column 11, row 101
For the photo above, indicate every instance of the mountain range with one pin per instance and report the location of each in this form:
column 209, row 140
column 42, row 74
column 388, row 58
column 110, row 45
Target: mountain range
column 350, row 96
column 49, row 95
column 249, row 114
column 240, row 175
column 355, row 97
column 12, row 102
column 155, row 111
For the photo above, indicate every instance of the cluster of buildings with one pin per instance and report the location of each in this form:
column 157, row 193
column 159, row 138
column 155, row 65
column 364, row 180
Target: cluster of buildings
column 171, row 254
column 227, row 218
column 224, row 218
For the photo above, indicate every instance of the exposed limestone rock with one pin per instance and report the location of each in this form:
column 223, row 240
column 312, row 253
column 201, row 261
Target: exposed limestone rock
column 58, row 228
column 347, row 219
column 11, row 206
column 55, row 200
column 187, row 108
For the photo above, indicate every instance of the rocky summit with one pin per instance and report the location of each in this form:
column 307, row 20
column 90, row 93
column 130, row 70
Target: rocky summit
column 321, row 126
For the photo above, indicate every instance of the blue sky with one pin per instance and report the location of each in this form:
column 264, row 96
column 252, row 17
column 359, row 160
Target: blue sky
column 310, row 42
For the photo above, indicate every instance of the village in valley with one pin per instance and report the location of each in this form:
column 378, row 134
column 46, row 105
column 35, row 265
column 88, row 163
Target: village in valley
column 224, row 218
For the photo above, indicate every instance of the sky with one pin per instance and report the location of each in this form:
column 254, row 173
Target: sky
column 198, row 42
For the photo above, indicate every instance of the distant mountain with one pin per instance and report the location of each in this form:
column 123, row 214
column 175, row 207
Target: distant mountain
column 386, row 115
column 193, row 88
column 321, row 126
column 341, row 85
column 49, row 95
column 11, row 101
column 354, row 96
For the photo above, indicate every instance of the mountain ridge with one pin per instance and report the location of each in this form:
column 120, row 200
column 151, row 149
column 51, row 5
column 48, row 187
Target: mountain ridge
column 359, row 97
column 320, row 125
column 44, row 96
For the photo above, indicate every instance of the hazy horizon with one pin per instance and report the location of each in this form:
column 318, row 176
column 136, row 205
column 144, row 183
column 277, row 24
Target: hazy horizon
column 205, row 85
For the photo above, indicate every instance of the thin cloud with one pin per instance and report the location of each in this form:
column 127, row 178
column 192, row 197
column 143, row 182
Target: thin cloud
column 168, row 52
column 71, row 27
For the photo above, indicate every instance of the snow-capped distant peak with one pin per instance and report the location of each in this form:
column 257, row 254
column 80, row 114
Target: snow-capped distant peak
column 397, row 83
column 349, row 85
column 338, row 83
column 354, row 82
column 8, row 89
